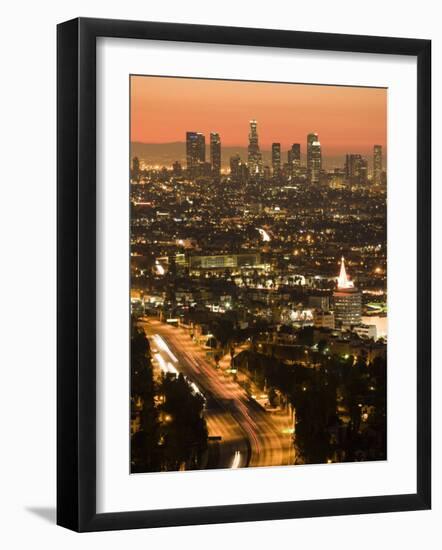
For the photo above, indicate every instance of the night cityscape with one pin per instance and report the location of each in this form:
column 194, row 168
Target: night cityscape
column 258, row 301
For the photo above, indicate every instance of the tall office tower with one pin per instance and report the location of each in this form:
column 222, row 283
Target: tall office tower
column 195, row 151
column 314, row 158
column 235, row 163
column 254, row 154
column 201, row 147
column 276, row 159
column 294, row 159
column 347, row 300
column 243, row 171
column 377, row 164
column 215, row 154
column 356, row 169
column 363, row 171
column 311, row 138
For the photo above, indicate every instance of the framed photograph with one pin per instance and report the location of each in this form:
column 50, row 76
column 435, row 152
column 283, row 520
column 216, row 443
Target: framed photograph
column 243, row 274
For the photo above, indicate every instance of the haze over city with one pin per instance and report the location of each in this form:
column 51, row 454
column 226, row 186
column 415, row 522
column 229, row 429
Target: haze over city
column 348, row 119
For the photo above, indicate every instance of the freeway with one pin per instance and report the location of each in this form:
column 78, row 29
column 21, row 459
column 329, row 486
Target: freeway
column 250, row 436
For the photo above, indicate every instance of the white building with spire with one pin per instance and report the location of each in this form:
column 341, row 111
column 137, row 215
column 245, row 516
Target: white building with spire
column 347, row 300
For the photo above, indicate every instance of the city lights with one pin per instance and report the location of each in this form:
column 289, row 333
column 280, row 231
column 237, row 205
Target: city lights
column 259, row 282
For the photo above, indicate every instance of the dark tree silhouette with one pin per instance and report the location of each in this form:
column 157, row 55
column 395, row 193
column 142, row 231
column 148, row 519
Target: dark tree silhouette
column 144, row 451
column 183, row 427
column 172, row 434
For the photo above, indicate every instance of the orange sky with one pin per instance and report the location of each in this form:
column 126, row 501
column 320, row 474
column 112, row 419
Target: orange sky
column 347, row 119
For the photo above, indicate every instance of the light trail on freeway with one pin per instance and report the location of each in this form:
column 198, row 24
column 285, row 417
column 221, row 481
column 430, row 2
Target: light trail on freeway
column 249, row 435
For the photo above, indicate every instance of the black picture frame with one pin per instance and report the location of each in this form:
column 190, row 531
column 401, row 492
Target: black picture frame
column 76, row 272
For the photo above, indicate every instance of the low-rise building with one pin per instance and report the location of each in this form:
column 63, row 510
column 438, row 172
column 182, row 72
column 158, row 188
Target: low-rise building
column 366, row 332
column 324, row 319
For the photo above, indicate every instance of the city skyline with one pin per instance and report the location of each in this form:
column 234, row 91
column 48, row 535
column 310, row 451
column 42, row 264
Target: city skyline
column 348, row 119
column 258, row 276
column 257, row 163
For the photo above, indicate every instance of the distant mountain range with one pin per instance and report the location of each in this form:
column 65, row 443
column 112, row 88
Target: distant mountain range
column 164, row 154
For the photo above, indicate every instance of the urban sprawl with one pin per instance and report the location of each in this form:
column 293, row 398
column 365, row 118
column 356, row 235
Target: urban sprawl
column 258, row 299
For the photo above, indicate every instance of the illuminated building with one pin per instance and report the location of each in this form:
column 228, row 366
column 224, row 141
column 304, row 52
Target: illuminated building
column 215, row 153
column 195, row 152
column 235, row 162
column 294, row 159
column 223, row 261
column 314, row 158
column 243, row 173
column 347, row 300
column 356, row 169
column 366, row 332
column 377, row 164
column 276, row 158
column 201, row 147
column 324, row 319
column 380, row 322
column 239, row 172
column 254, row 154
column 181, row 261
column 337, row 179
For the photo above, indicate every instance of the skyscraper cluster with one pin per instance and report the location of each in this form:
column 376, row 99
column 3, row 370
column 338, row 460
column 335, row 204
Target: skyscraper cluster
column 355, row 169
column 196, row 155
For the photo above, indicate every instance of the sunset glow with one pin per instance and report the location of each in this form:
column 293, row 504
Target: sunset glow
column 348, row 119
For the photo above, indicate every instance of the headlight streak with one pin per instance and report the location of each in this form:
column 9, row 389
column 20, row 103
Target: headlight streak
column 163, row 346
column 236, row 460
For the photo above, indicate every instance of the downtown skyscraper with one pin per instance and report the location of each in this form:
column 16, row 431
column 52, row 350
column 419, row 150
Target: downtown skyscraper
column 294, row 159
column 314, row 158
column 356, row 169
column 276, row 158
column 195, row 151
column 215, row 154
column 254, row 153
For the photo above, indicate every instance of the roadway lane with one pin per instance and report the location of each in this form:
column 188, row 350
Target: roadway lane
column 246, row 429
column 233, row 450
